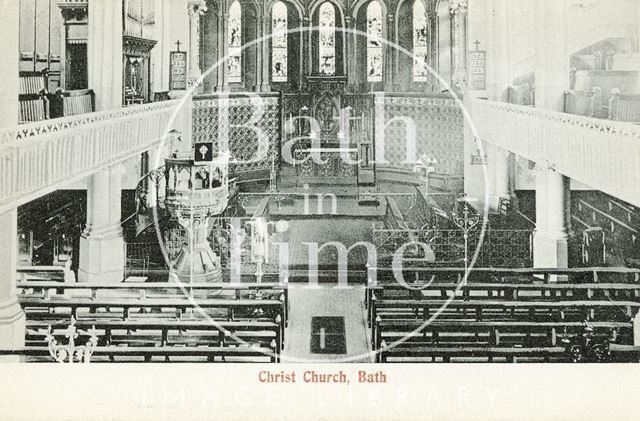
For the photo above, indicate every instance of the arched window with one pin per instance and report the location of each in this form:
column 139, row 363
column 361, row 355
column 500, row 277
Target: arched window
column 279, row 43
column 327, row 49
column 235, row 42
column 374, row 42
column 420, row 42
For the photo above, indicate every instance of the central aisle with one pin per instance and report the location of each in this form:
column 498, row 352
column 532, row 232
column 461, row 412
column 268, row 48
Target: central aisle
column 321, row 303
column 321, row 231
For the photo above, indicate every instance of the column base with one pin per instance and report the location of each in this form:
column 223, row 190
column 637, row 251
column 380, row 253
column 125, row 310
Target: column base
column 550, row 250
column 102, row 258
column 200, row 265
column 12, row 327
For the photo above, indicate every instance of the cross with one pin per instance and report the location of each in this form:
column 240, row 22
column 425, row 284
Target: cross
column 203, row 150
column 477, row 44
column 178, row 45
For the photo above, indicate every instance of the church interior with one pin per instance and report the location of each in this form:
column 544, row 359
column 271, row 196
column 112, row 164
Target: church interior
column 378, row 181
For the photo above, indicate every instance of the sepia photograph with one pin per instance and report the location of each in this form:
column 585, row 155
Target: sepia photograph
column 387, row 208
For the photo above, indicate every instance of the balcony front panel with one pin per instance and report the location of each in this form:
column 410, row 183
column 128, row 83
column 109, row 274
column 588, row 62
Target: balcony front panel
column 602, row 154
column 40, row 157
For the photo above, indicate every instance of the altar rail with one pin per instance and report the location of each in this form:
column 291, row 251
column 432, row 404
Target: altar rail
column 603, row 154
column 40, row 157
column 500, row 248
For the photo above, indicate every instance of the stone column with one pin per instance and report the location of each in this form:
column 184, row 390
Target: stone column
column 105, row 53
column 433, row 41
column 196, row 8
column 12, row 319
column 220, row 49
column 259, row 53
column 458, row 11
column 550, row 237
column 502, row 175
column 350, row 50
column 498, row 77
column 306, row 45
column 265, row 52
column 301, row 50
column 552, row 188
column 390, row 55
column 224, row 51
column 101, row 243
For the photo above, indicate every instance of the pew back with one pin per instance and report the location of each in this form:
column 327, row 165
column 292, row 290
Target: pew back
column 586, row 103
column 624, row 107
column 607, row 80
column 69, row 103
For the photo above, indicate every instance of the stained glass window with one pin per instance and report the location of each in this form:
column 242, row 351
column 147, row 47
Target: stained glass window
column 327, row 48
column 279, row 42
column 420, row 42
column 374, row 42
column 235, row 43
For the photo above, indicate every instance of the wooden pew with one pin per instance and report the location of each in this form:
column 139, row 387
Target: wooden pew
column 503, row 310
column 510, row 290
column 32, row 82
column 69, row 103
column 417, row 276
column 609, row 82
column 38, row 308
column 32, row 108
column 159, row 332
column 32, row 91
column 47, row 274
column 538, row 292
column 521, row 94
column 624, row 81
column 498, row 313
column 414, row 354
column 440, row 333
column 144, row 290
column 625, row 353
column 586, row 103
column 575, row 275
column 624, row 107
column 173, row 353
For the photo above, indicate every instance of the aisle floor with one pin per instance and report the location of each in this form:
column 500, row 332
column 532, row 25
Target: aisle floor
column 326, row 301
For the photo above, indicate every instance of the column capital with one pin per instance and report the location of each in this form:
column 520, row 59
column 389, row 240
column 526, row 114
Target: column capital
column 458, row 7
column 196, row 7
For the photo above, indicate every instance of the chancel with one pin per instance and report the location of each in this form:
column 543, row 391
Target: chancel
column 371, row 181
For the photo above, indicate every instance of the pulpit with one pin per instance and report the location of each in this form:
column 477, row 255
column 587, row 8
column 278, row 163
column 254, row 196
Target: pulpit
column 196, row 191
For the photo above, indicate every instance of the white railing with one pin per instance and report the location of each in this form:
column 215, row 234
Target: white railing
column 600, row 153
column 39, row 157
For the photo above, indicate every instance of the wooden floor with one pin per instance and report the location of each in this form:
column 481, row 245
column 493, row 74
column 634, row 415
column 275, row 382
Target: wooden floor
column 344, row 231
column 326, row 300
